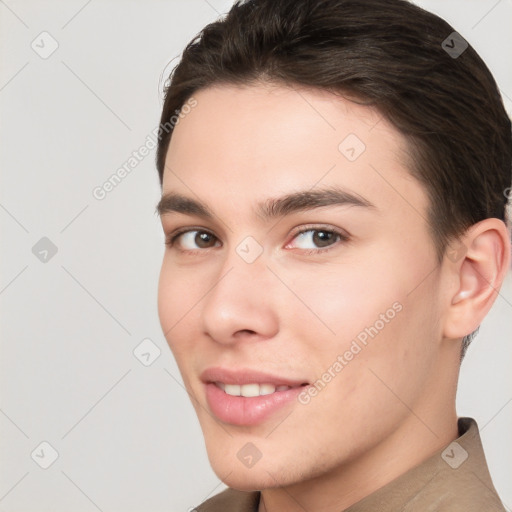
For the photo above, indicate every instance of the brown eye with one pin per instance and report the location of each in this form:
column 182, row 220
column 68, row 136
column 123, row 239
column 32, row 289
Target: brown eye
column 193, row 239
column 317, row 238
column 203, row 239
column 323, row 238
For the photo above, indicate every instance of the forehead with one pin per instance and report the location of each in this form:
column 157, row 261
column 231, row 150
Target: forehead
column 254, row 142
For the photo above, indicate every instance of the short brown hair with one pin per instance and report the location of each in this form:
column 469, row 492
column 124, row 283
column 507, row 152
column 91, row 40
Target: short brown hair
column 389, row 54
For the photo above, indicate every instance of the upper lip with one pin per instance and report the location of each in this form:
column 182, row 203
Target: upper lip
column 247, row 376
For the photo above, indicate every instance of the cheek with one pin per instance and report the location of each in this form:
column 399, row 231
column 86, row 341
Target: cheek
column 355, row 321
column 346, row 299
column 371, row 313
column 166, row 298
column 368, row 281
column 176, row 299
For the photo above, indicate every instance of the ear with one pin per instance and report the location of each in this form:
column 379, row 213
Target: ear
column 478, row 264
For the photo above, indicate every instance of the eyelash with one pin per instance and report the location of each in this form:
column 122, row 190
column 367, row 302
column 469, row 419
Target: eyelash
column 171, row 239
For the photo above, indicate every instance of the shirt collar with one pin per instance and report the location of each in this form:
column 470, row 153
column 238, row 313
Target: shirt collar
column 446, row 479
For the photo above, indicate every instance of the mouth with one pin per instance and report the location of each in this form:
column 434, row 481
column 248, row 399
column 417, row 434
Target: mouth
column 254, row 389
column 248, row 397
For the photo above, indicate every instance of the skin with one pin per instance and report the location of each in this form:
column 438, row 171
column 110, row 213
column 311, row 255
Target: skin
column 292, row 313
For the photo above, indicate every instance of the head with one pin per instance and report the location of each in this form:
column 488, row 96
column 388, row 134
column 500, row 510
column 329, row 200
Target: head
column 369, row 278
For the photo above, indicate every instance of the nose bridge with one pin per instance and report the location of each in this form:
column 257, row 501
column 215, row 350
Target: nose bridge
column 245, row 265
column 240, row 297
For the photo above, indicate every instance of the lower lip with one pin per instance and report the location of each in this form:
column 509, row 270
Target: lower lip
column 241, row 410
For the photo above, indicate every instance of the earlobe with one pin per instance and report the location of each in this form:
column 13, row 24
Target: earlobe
column 479, row 276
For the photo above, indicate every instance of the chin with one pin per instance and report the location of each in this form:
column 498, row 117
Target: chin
column 264, row 474
column 248, row 479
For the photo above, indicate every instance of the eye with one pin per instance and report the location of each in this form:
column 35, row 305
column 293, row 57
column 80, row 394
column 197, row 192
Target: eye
column 192, row 240
column 312, row 240
column 316, row 239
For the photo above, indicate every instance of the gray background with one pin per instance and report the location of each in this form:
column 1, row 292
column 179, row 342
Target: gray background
column 126, row 435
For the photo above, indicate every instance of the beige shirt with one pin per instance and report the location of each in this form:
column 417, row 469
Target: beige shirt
column 454, row 479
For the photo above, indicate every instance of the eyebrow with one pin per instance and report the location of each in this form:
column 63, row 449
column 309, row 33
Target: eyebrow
column 271, row 208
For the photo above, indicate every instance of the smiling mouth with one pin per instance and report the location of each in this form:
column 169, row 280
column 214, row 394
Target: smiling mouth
column 248, row 397
column 254, row 389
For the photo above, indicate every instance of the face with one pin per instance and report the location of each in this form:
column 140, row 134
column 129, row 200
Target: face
column 324, row 305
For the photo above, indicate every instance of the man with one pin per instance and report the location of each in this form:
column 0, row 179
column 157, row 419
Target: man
column 334, row 177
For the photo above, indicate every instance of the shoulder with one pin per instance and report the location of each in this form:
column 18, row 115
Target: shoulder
column 454, row 479
column 461, row 479
column 464, row 491
column 231, row 500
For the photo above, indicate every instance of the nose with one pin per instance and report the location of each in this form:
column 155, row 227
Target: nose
column 240, row 303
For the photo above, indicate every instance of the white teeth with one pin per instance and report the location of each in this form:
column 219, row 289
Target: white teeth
column 267, row 389
column 232, row 389
column 250, row 390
